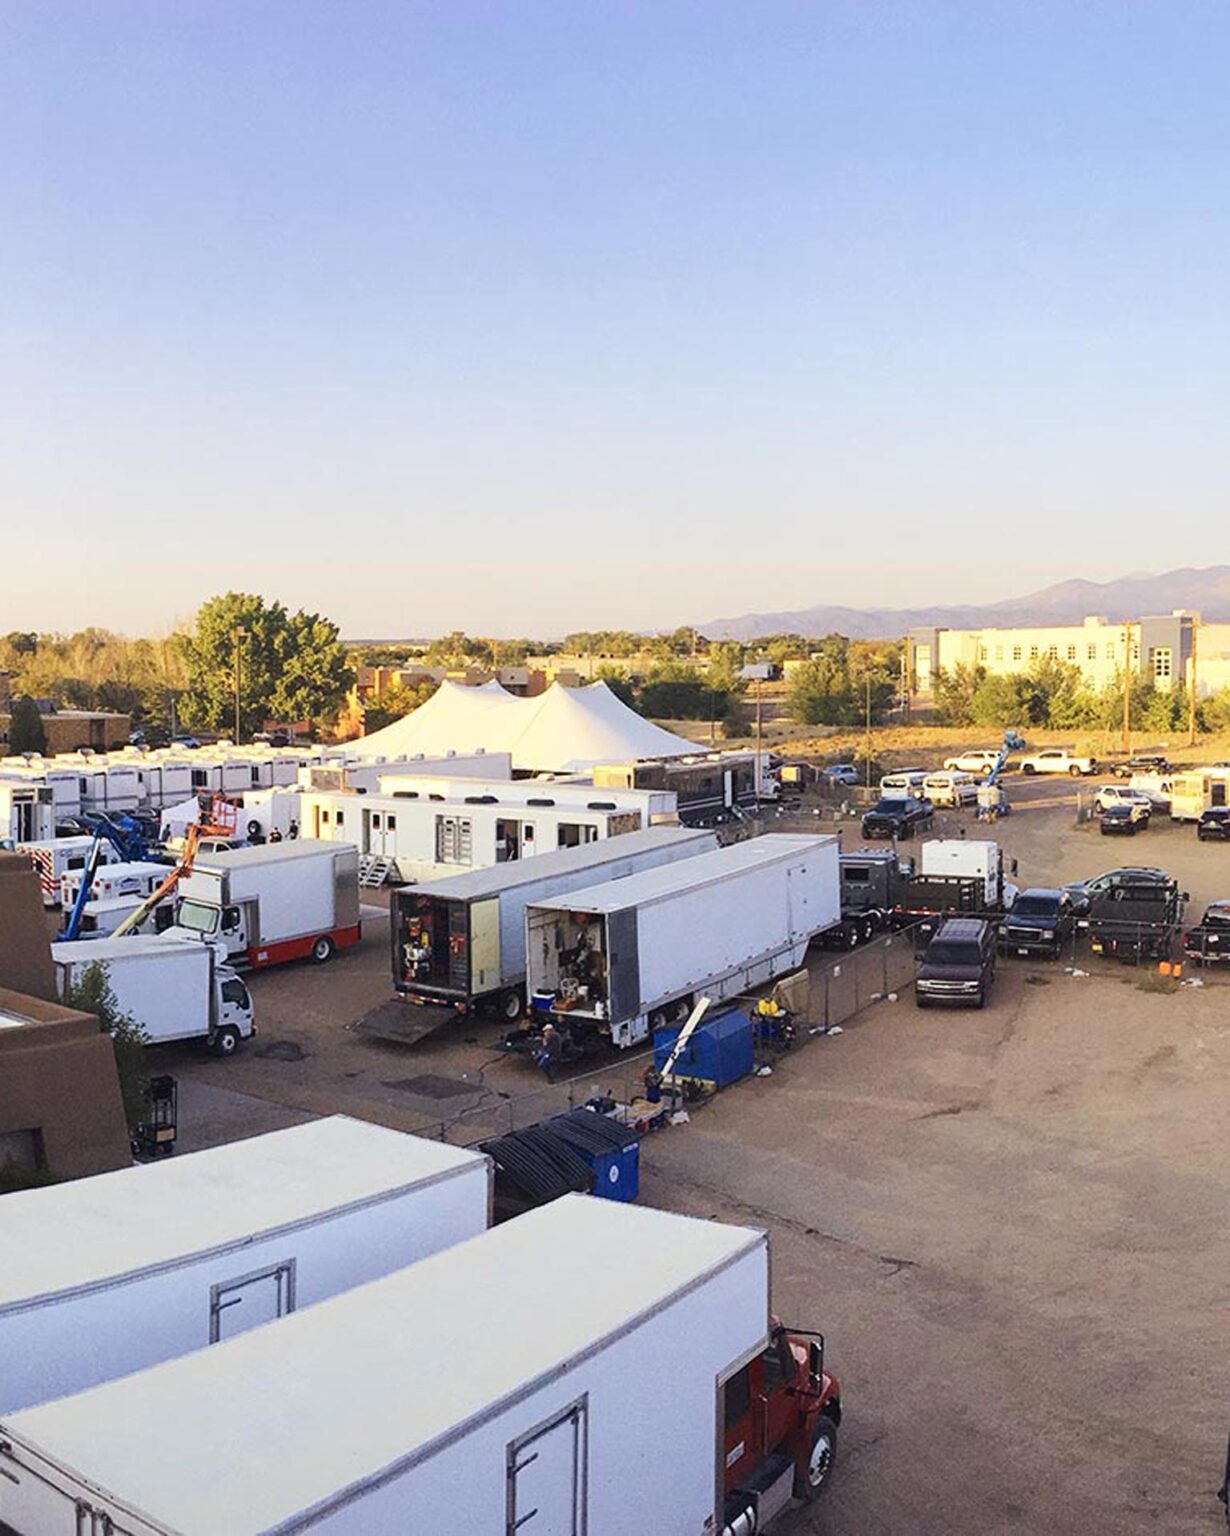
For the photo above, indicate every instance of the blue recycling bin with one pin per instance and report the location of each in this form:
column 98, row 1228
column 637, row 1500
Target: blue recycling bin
column 720, row 1052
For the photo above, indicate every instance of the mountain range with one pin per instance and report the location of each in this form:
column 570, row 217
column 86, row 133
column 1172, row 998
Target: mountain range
column 1067, row 602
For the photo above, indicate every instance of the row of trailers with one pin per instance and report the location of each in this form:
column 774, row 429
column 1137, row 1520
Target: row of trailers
column 317, row 1330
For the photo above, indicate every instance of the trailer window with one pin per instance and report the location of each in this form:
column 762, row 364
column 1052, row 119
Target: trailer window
column 573, row 834
column 454, row 844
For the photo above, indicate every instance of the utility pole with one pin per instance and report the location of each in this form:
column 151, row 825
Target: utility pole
column 1191, row 693
column 240, row 636
column 758, row 692
column 867, row 747
column 1127, row 689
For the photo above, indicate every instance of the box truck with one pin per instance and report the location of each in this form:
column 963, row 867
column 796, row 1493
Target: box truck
column 460, row 941
column 274, row 902
column 171, row 1257
column 589, row 1367
column 173, row 985
column 633, row 954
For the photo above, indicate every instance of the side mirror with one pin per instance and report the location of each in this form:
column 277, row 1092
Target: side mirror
column 1012, row 867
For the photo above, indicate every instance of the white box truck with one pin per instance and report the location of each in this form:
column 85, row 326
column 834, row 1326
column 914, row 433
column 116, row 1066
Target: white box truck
column 54, row 857
column 115, row 1273
column 630, row 955
column 972, row 859
column 275, row 902
column 460, row 942
column 590, row 1367
column 174, row 985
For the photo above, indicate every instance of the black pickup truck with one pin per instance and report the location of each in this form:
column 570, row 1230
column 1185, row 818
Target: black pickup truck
column 1038, row 922
column 897, row 816
column 1208, row 943
column 1136, row 921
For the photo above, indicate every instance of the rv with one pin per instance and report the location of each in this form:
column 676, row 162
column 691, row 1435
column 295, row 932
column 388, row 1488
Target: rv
column 1191, row 794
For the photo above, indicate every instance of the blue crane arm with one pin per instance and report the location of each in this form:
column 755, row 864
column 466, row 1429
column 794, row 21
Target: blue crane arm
column 1012, row 743
column 125, row 837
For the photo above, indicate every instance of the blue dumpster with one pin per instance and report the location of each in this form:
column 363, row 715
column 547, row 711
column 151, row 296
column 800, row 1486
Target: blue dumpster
column 720, row 1052
column 612, row 1150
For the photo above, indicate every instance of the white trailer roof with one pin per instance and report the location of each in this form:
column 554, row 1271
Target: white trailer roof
column 477, row 884
column 248, row 1434
column 653, row 884
column 267, row 853
column 94, row 1231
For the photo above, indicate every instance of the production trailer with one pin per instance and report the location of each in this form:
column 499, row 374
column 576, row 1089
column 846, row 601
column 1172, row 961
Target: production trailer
column 275, row 902
column 27, row 814
column 172, row 985
column 590, row 1367
column 171, row 1257
column 55, row 857
column 460, row 942
column 626, row 957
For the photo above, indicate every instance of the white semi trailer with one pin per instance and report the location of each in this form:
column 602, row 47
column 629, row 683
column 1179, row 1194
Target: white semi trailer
column 112, row 1274
column 630, row 955
column 575, row 1370
column 461, row 941
column 174, row 986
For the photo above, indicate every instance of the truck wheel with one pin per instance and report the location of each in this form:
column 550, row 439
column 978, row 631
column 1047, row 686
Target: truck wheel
column 850, row 934
column 810, row 1482
column 1028, row 769
column 986, row 770
column 866, row 928
column 1074, row 772
column 323, row 949
column 981, row 1000
column 225, row 1041
column 511, row 1006
column 921, row 1001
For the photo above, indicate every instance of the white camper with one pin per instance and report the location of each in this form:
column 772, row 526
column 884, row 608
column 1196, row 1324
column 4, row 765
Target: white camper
column 562, row 1373
column 178, row 1255
column 973, row 859
column 632, row 954
column 1191, row 794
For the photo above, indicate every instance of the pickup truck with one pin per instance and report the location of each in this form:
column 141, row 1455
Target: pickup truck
column 1134, row 922
column 1209, row 941
column 1059, row 760
column 1038, row 922
column 897, row 817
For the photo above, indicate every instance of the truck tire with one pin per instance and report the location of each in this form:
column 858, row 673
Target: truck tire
column 850, row 931
column 225, row 1041
column 511, row 1006
column 981, row 1000
column 985, row 770
column 1028, row 769
column 866, row 928
column 1074, row 772
column 323, row 949
column 811, row 1481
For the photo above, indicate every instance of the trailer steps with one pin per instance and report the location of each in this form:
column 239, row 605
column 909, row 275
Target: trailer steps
column 374, row 870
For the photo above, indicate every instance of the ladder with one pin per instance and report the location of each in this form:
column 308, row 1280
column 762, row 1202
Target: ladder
column 374, row 870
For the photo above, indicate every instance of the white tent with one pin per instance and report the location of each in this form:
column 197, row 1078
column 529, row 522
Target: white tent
column 565, row 730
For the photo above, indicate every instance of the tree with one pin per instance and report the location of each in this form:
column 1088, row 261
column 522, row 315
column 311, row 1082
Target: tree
column 292, row 666
column 954, row 693
column 93, row 994
column 619, row 683
column 677, row 691
column 1001, row 699
column 26, row 733
column 394, row 703
column 22, row 642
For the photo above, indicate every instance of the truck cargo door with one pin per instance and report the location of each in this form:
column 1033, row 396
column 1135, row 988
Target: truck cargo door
column 546, row 1471
column 249, row 1300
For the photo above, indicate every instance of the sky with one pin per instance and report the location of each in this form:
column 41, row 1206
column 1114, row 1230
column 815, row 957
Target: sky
column 527, row 317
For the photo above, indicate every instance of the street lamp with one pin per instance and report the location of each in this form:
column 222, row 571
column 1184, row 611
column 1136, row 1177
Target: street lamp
column 240, row 634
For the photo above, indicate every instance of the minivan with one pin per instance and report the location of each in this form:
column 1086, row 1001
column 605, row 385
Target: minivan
column 959, row 964
column 906, row 781
column 951, row 787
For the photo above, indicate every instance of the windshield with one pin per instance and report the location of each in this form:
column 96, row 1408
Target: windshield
column 1034, row 906
column 234, row 991
column 892, row 807
column 952, row 952
column 197, row 916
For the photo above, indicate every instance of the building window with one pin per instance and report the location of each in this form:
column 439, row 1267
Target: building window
column 453, row 840
column 1110, row 652
column 1093, row 653
column 982, row 653
column 1163, row 660
column 1033, row 653
column 1071, row 653
column 1053, row 652
column 1016, row 653
column 999, row 653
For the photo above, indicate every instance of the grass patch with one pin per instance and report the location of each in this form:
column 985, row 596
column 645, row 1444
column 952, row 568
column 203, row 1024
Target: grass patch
column 1152, row 982
column 1035, row 980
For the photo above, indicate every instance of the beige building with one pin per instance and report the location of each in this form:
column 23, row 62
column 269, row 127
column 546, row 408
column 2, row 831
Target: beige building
column 1163, row 648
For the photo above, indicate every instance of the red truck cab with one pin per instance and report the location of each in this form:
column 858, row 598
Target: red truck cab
column 781, row 1415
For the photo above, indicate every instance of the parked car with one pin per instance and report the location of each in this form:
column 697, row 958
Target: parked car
column 1143, row 762
column 904, row 781
column 839, row 773
column 959, row 964
column 1059, row 760
column 1208, row 943
column 1125, row 819
column 1116, row 794
column 185, row 741
column 897, row 817
column 1039, row 921
column 1082, row 892
column 973, row 761
column 1214, row 825
column 951, row 788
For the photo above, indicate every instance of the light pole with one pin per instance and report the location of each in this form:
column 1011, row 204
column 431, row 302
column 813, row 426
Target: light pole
column 867, row 748
column 240, row 635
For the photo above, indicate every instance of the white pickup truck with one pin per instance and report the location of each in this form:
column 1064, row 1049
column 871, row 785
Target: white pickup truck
column 1059, row 760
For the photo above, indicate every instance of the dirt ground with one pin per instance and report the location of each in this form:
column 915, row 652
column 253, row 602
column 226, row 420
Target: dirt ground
column 1010, row 1224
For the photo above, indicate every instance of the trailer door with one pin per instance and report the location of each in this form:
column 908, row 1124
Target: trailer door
column 249, row 1300
column 547, row 1469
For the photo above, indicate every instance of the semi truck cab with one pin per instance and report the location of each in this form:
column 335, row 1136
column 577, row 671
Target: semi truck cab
column 781, row 1412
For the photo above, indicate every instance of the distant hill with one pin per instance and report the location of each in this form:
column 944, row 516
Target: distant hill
column 1068, row 602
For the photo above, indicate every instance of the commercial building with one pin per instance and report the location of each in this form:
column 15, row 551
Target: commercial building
column 1161, row 648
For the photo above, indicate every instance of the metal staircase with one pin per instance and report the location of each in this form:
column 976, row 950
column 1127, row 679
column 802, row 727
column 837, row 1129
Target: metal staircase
column 374, row 870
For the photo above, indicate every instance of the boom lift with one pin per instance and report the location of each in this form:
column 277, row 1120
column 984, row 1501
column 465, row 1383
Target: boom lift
column 125, row 836
column 219, row 819
column 989, row 803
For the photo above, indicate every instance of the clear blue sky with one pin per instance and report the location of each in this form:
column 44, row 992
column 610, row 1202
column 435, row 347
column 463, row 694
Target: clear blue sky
column 523, row 317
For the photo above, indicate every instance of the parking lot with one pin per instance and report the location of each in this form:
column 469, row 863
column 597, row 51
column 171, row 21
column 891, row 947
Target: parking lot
column 1009, row 1223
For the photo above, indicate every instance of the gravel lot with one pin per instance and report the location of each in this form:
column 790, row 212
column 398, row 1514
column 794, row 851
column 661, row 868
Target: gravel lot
column 1011, row 1224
